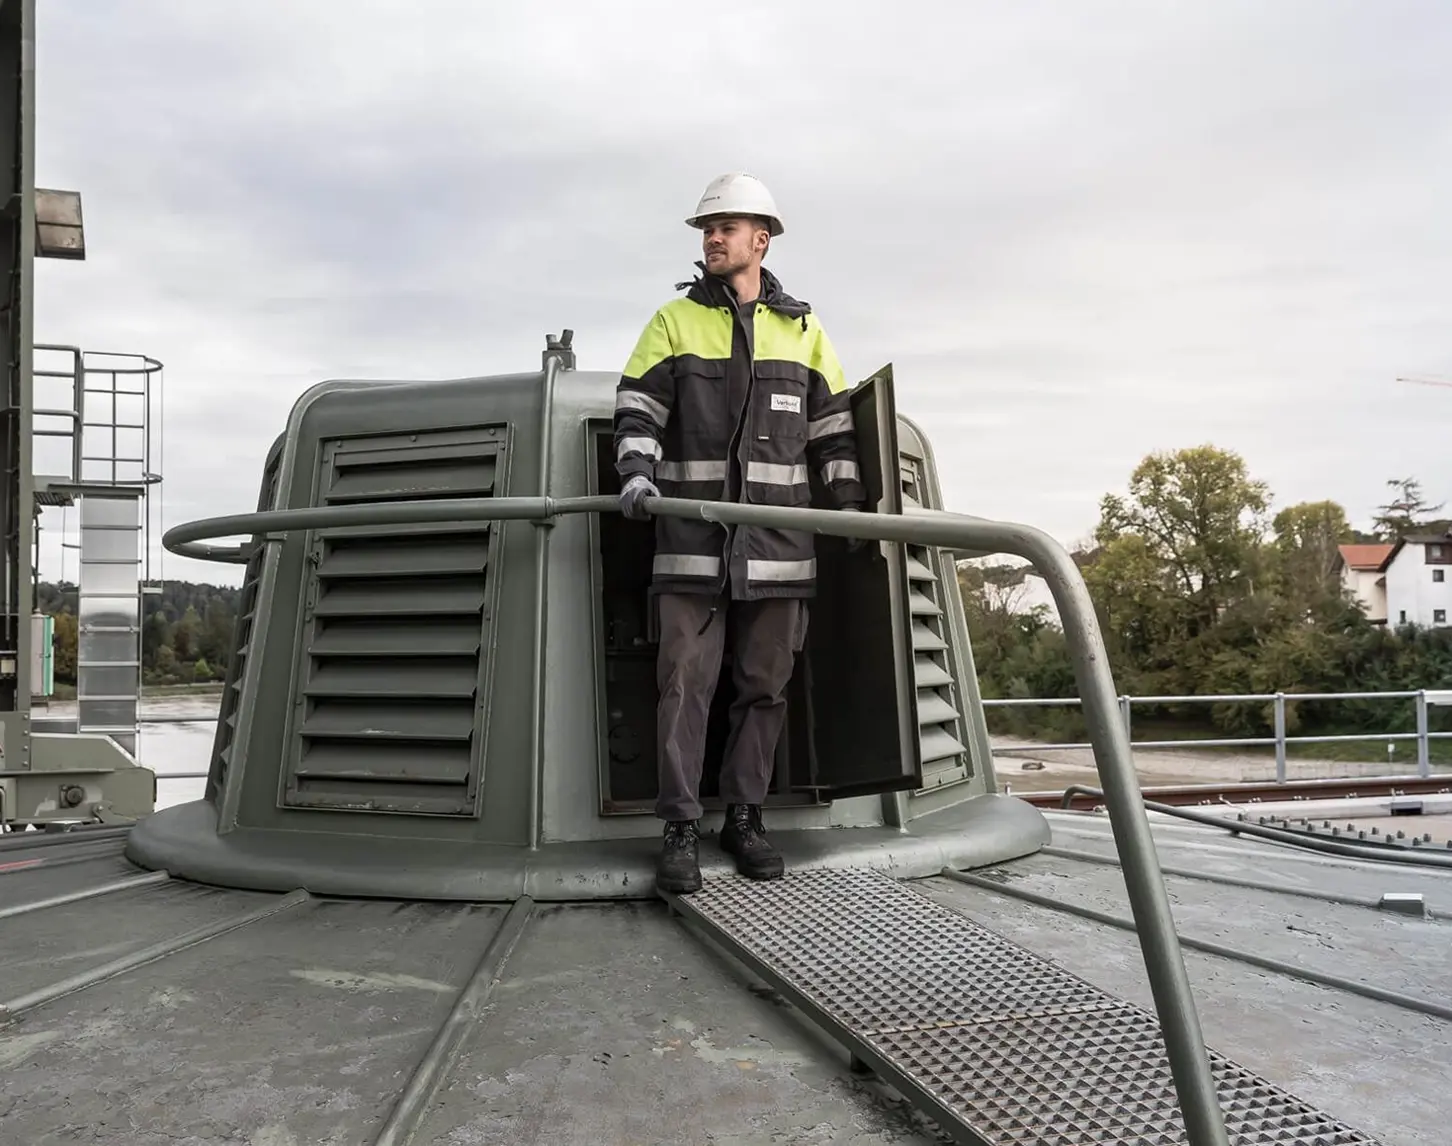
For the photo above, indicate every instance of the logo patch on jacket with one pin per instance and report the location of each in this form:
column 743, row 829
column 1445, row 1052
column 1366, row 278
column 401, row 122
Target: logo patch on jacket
column 789, row 402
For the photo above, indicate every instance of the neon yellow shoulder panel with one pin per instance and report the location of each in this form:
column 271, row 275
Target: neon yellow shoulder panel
column 680, row 327
column 702, row 331
column 782, row 339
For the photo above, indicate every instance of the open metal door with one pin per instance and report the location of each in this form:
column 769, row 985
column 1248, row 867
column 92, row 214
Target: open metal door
column 859, row 641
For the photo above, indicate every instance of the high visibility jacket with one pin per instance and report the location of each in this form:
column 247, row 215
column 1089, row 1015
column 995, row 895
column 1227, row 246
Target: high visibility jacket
column 708, row 413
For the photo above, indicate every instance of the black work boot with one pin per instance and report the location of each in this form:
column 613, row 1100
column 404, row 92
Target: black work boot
column 744, row 837
column 679, row 868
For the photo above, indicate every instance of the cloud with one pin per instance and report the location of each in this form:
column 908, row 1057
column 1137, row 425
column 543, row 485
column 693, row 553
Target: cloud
column 1080, row 232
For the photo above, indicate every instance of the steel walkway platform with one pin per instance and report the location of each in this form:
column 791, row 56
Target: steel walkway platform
column 998, row 1046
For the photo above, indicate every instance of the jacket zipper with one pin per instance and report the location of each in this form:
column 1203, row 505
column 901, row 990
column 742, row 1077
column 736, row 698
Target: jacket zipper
column 734, row 447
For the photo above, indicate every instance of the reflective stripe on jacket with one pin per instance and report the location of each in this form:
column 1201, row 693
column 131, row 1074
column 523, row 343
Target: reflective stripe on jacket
column 697, row 415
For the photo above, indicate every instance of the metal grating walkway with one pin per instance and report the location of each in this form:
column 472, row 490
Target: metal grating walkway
column 999, row 1046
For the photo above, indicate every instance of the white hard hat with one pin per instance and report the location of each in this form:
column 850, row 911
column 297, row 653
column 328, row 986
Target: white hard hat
column 737, row 194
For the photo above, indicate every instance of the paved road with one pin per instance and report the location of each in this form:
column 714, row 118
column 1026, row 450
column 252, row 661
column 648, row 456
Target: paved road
column 1062, row 767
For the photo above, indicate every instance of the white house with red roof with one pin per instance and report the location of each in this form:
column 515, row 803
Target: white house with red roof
column 1402, row 583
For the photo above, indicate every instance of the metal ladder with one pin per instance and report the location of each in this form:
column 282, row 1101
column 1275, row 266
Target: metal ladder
column 108, row 643
column 106, row 424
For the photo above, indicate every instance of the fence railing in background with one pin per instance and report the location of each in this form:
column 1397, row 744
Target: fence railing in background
column 1423, row 698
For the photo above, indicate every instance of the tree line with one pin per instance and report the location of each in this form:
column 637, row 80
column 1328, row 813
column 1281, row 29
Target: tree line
column 186, row 631
column 1200, row 589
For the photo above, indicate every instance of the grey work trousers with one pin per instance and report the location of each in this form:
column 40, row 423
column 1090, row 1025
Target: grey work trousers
column 765, row 637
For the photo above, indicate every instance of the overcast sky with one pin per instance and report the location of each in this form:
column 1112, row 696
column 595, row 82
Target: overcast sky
column 1080, row 231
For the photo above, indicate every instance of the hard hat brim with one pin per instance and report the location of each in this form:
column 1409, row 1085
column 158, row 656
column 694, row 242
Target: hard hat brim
column 773, row 224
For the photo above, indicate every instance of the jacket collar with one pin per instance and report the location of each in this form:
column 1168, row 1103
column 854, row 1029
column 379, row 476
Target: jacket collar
column 709, row 290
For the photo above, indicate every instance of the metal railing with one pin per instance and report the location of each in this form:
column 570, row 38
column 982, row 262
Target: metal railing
column 73, row 415
column 100, row 451
column 1423, row 698
column 1148, row 896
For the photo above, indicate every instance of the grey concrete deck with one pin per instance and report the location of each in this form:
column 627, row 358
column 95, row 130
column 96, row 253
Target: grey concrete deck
column 611, row 1023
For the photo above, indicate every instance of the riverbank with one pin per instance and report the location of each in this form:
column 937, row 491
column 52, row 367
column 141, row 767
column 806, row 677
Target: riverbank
column 66, row 693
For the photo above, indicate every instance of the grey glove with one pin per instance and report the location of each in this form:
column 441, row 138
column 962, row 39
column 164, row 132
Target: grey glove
column 636, row 490
column 853, row 543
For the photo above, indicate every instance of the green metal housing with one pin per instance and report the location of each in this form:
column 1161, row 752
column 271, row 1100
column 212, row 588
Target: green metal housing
column 381, row 730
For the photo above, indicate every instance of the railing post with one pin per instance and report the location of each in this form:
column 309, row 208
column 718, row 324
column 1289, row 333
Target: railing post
column 1424, row 755
column 558, row 355
column 1280, row 738
column 1124, row 714
column 1148, row 898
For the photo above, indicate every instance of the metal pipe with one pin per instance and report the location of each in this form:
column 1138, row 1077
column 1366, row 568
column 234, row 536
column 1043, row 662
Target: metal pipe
column 149, row 954
column 414, row 1102
column 1263, row 791
column 1207, row 698
column 179, row 538
column 1312, row 843
column 1295, row 971
column 1424, row 757
column 223, row 554
column 1148, row 897
column 1345, row 900
column 16, row 841
column 1230, row 742
column 1280, row 727
column 1264, row 741
column 106, row 851
column 85, row 893
column 542, row 530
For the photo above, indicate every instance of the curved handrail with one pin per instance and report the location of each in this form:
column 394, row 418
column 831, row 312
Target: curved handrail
column 1144, row 882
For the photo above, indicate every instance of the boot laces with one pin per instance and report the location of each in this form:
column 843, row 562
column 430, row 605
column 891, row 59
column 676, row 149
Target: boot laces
column 746, row 818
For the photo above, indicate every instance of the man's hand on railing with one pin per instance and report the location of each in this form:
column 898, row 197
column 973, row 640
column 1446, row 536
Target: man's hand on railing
column 636, row 490
column 854, row 543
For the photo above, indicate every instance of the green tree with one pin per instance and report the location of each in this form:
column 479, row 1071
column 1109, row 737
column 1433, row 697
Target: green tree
column 1139, row 599
column 186, row 629
column 1406, row 512
column 156, row 635
column 66, row 637
column 166, row 664
column 1308, row 538
column 1196, row 597
column 186, row 635
column 1199, row 514
column 216, row 634
column 1019, row 652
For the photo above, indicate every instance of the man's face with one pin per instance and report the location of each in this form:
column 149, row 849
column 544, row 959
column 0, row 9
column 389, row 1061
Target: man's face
column 732, row 245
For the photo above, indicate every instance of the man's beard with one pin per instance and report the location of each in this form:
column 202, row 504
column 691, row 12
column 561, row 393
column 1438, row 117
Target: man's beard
column 727, row 266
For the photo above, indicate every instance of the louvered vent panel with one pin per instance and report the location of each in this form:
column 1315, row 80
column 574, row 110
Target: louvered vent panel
column 941, row 731
column 393, row 669
column 242, row 636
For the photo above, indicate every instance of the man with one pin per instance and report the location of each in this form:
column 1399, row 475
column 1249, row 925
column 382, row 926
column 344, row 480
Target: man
column 732, row 392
